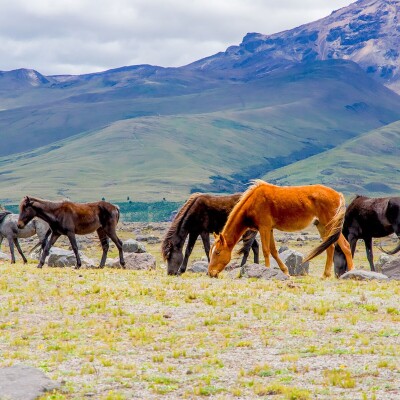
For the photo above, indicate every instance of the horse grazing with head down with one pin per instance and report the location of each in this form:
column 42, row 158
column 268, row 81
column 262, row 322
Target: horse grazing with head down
column 68, row 218
column 266, row 207
column 201, row 215
column 368, row 218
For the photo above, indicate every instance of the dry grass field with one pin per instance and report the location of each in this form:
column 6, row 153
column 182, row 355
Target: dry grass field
column 117, row 334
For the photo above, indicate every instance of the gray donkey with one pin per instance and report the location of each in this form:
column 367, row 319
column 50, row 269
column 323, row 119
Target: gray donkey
column 10, row 230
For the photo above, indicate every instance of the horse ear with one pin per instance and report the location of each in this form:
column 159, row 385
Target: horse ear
column 222, row 239
column 215, row 236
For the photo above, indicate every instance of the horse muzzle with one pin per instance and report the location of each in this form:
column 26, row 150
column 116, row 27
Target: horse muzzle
column 21, row 225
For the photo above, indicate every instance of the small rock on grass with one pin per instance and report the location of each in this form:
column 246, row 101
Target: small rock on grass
column 361, row 275
column 258, row 271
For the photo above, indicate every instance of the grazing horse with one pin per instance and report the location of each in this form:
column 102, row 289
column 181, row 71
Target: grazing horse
column 201, row 215
column 368, row 218
column 265, row 207
column 67, row 218
column 10, row 230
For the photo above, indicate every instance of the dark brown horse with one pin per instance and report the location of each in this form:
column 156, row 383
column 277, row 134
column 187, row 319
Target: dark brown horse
column 368, row 218
column 67, row 218
column 201, row 215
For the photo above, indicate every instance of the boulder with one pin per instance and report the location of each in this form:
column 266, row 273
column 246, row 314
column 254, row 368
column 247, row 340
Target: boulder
column 133, row 246
column 361, row 275
column 199, row 267
column 294, row 261
column 21, row 382
column 282, row 249
column 258, row 271
column 4, row 256
column 382, row 260
column 66, row 258
column 134, row 261
column 392, row 269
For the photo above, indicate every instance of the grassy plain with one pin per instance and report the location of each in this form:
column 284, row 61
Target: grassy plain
column 116, row 334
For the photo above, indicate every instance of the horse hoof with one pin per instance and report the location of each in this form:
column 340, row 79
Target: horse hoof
column 77, row 267
column 39, row 266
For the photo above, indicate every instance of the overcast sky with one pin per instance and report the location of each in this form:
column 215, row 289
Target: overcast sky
column 80, row 36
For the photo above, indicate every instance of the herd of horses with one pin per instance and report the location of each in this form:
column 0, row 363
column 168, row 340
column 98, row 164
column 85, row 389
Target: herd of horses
column 261, row 209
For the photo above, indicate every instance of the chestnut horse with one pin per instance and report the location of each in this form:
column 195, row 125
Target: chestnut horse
column 201, row 215
column 265, row 207
column 368, row 218
column 67, row 218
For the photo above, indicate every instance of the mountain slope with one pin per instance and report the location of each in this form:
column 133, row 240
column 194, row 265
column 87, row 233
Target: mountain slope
column 368, row 164
column 366, row 32
column 260, row 125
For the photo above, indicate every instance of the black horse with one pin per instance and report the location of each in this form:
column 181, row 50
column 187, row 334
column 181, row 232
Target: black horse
column 368, row 218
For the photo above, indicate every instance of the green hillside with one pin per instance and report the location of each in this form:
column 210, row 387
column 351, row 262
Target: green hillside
column 214, row 140
column 369, row 164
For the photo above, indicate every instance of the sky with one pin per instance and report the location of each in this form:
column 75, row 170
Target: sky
column 82, row 36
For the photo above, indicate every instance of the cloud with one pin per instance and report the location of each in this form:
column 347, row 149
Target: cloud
column 80, row 36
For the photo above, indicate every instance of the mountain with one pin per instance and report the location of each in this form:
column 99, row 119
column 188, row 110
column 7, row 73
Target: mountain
column 215, row 140
column 368, row 164
column 366, row 32
column 150, row 132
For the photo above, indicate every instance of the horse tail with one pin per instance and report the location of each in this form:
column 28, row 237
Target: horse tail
column 390, row 252
column 333, row 229
column 118, row 213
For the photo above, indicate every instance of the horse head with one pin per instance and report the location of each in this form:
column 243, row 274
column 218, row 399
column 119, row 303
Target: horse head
column 339, row 262
column 173, row 255
column 220, row 255
column 26, row 212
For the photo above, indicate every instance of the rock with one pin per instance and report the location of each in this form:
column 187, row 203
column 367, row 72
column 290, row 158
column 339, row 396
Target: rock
column 133, row 246
column 382, row 260
column 148, row 239
column 21, row 382
column 259, row 271
column 4, row 256
column 392, row 269
column 361, row 275
column 199, row 266
column 232, row 265
column 282, row 249
column 294, row 261
column 66, row 258
column 134, row 261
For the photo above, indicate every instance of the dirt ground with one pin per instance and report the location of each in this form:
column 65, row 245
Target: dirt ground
column 118, row 334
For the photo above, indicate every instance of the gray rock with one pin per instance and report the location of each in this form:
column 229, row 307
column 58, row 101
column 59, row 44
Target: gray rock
column 294, row 261
column 149, row 239
column 382, row 260
column 135, row 261
column 199, row 266
column 261, row 272
column 4, row 256
column 66, row 258
column 282, row 249
column 361, row 275
column 133, row 246
column 392, row 269
column 21, row 382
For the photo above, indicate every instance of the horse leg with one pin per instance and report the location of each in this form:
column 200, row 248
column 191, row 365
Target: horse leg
column 104, row 245
column 1, row 240
column 50, row 242
column 330, row 251
column 74, row 244
column 248, row 242
column 20, row 250
column 275, row 254
column 265, row 234
column 11, row 245
column 256, row 250
column 189, row 248
column 44, row 241
column 345, row 246
column 370, row 254
column 205, row 237
column 112, row 234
